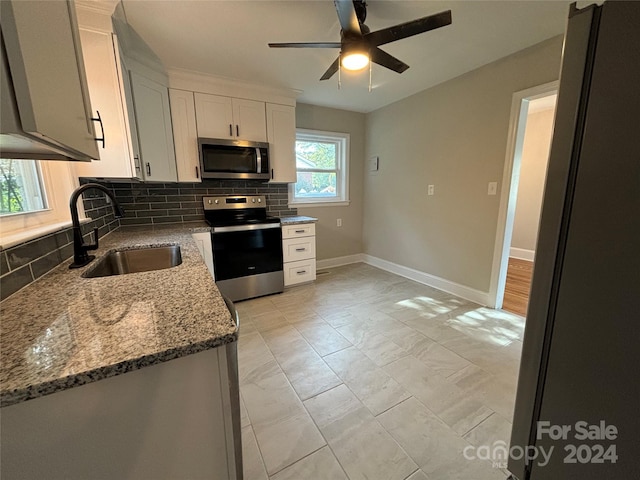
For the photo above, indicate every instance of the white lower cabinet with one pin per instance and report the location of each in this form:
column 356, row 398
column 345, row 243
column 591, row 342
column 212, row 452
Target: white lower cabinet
column 203, row 241
column 299, row 253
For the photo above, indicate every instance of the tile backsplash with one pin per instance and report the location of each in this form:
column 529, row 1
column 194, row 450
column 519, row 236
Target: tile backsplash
column 162, row 203
column 24, row 263
column 144, row 204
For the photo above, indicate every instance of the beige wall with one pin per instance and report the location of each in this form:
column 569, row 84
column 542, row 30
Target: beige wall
column 333, row 241
column 533, row 169
column 453, row 136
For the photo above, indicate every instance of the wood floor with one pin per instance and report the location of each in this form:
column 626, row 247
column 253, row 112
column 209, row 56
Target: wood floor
column 516, row 292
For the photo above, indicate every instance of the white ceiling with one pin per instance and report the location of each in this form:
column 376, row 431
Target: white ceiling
column 229, row 39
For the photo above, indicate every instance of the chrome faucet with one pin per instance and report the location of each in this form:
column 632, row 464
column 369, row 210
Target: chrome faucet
column 80, row 249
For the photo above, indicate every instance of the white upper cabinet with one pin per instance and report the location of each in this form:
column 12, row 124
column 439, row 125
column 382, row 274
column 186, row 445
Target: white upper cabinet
column 153, row 124
column 281, row 134
column 230, row 118
column 49, row 101
column 185, row 136
column 106, row 89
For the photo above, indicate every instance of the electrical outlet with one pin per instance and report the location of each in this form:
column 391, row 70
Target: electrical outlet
column 493, row 188
column 339, row 222
column 430, row 190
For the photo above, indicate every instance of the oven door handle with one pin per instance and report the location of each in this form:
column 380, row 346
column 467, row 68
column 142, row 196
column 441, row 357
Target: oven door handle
column 243, row 228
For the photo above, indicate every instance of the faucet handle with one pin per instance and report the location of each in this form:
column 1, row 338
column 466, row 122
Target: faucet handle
column 94, row 245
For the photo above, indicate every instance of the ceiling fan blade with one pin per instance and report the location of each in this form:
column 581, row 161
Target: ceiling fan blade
column 408, row 29
column 347, row 17
column 306, row 45
column 383, row 58
column 331, row 70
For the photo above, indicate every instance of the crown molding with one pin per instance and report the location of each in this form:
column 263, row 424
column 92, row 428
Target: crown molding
column 105, row 7
column 183, row 79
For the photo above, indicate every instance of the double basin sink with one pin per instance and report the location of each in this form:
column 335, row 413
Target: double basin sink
column 135, row 260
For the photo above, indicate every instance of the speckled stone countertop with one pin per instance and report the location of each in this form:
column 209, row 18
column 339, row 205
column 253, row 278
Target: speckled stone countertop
column 64, row 331
column 292, row 220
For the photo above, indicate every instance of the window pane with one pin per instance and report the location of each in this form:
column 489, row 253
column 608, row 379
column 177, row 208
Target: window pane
column 20, row 187
column 316, row 155
column 315, row 185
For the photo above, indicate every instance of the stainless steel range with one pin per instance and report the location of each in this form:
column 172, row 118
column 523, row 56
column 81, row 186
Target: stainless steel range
column 247, row 246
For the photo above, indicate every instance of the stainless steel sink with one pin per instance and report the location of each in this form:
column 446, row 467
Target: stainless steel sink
column 145, row 259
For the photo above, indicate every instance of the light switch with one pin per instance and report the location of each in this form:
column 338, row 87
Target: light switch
column 374, row 164
column 493, row 188
column 430, row 190
column 339, row 222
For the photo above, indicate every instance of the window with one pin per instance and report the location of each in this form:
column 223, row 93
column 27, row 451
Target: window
column 322, row 160
column 21, row 189
column 34, row 198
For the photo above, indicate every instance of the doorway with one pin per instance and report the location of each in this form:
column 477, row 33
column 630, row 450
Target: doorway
column 531, row 128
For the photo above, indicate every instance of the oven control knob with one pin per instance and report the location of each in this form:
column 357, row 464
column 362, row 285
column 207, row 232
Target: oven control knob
column 209, row 202
column 253, row 200
column 217, row 201
column 259, row 200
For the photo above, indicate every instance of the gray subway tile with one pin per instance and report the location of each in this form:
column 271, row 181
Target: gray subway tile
column 46, row 263
column 14, row 281
column 172, row 219
column 4, row 265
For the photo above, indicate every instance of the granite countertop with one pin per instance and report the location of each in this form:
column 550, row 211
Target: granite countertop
column 292, row 220
column 64, row 331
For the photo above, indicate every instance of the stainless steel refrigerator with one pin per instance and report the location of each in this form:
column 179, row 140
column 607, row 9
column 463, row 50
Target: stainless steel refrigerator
column 579, row 384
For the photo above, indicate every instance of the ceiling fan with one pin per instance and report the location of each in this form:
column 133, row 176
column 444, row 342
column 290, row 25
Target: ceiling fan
column 359, row 46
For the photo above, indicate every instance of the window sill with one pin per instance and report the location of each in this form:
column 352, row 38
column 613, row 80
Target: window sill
column 15, row 238
column 343, row 203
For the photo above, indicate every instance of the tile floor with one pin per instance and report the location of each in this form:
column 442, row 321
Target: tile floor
column 367, row 375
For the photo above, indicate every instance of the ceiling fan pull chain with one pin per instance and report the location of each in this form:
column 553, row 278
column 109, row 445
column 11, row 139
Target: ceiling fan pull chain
column 339, row 68
column 370, row 62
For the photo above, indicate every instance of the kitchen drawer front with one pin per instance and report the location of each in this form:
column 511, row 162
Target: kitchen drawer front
column 294, row 249
column 299, row 230
column 299, row 272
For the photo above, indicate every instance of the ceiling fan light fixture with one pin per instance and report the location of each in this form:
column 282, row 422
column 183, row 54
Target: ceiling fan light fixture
column 355, row 61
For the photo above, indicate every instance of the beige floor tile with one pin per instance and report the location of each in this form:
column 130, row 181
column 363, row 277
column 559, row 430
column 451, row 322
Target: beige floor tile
column 320, row 465
column 453, row 405
column 269, row 320
column 433, row 445
column 323, row 338
column 244, row 416
column 375, row 389
column 376, row 346
column 419, row 475
column 493, row 429
column 332, row 406
column 308, row 373
column 442, row 360
column 253, row 466
column 277, row 413
column 255, row 361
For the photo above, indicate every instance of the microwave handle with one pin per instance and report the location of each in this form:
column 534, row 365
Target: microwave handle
column 258, row 160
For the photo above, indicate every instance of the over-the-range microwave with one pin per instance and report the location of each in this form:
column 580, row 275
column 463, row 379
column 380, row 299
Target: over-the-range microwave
column 239, row 159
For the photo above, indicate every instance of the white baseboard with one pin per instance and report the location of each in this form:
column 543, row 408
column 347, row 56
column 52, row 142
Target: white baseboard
column 522, row 253
column 448, row 286
column 339, row 261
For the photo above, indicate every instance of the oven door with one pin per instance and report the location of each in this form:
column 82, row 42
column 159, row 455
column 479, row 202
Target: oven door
column 243, row 250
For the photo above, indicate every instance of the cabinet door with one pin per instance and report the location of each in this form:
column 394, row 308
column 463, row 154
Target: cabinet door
column 105, row 89
column 185, row 136
column 214, row 116
column 153, row 122
column 281, row 134
column 249, row 119
column 45, row 59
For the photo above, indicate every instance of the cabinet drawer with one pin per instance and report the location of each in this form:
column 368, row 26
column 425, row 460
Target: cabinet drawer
column 294, row 249
column 299, row 230
column 299, row 272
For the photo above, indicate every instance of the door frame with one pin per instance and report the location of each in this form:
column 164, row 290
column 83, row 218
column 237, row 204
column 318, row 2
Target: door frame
column 509, row 190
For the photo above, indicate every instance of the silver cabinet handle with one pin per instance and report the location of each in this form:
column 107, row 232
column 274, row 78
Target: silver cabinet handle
column 301, row 272
column 299, row 231
column 300, row 249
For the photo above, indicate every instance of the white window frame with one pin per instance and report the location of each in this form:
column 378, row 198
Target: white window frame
column 341, row 140
column 59, row 180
